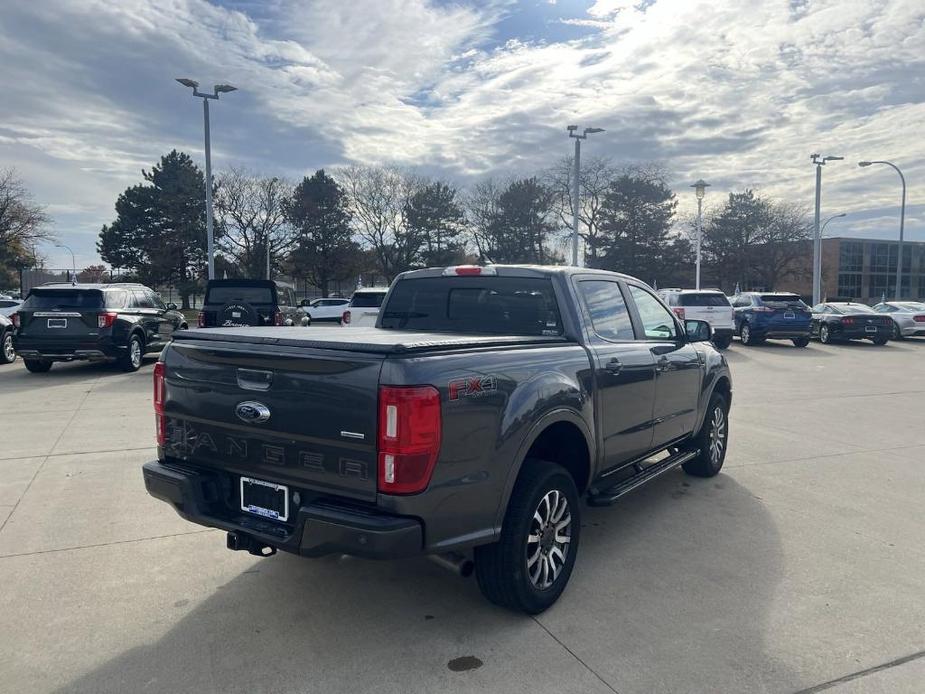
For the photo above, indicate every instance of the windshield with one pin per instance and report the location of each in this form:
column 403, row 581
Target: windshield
column 479, row 305
column 367, row 299
column 704, row 299
column 246, row 295
column 63, row 298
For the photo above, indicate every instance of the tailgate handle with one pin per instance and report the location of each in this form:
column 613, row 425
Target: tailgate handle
column 252, row 379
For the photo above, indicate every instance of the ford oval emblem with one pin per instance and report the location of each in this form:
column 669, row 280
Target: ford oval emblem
column 252, row 412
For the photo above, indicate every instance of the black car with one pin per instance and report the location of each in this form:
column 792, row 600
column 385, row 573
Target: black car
column 847, row 321
column 7, row 351
column 240, row 303
column 92, row 322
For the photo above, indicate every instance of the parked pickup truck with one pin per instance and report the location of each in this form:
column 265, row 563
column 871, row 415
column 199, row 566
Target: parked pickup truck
column 469, row 424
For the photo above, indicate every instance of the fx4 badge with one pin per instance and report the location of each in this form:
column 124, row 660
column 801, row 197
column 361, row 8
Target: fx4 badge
column 471, row 386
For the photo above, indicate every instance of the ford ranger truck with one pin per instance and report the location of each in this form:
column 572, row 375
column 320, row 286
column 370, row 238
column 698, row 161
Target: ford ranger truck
column 470, row 424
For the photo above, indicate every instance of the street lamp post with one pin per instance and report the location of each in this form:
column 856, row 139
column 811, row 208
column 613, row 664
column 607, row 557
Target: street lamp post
column 818, row 161
column 902, row 221
column 217, row 89
column 700, row 189
column 576, row 191
column 73, row 262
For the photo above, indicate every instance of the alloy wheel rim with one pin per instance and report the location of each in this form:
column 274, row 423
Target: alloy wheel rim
column 136, row 353
column 717, row 435
column 8, row 348
column 746, row 333
column 548, row 540
column 824, row 333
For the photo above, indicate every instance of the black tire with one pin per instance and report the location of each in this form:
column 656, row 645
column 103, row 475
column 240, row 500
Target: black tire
column 37, row 366
column 722, row 342
column 7, row 353
column 133, row 358
column 825, row 336
column 897, row 332
column 880, row 341
column 800, row 341
column 503, row 569
column 745, row 335
column 712, row 454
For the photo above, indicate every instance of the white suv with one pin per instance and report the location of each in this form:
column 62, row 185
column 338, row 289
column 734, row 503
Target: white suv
column 710, row 305
column 363, row 308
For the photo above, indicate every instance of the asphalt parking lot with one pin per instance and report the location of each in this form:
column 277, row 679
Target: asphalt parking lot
column 800, row 568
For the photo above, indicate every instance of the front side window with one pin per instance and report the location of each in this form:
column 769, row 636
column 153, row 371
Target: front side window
column 657, row 321
column 609, row 316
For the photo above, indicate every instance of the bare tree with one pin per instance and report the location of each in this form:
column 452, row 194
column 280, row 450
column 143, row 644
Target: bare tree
column 22, row 224
column 595, row 176
column 483, row 205
column 379, row 198
column 251, row 217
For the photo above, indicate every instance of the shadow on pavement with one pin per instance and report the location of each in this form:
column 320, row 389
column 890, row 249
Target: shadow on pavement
column 671, row 593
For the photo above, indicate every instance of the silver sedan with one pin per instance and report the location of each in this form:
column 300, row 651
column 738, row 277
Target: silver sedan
column 908, row 317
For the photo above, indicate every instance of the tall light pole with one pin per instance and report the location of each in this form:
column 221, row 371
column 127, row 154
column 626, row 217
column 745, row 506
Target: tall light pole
column 576, row 190
column 700, row 189
column 73, row 262
column 902, row 221
column 216, row 90
column 818, row 161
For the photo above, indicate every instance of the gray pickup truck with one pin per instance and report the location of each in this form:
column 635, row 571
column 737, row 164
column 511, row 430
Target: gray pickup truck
column 468, row 425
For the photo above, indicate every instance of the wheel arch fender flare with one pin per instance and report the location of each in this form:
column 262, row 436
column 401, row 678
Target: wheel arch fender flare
column 556, row 416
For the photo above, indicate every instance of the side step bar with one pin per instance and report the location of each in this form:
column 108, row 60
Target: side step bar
column 605, row 497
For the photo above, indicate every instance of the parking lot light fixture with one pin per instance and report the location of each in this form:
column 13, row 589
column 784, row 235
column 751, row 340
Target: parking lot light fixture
column 205, row 96
column 576, row 190
column 902, row 221
column 700, row 189
column 73, row 262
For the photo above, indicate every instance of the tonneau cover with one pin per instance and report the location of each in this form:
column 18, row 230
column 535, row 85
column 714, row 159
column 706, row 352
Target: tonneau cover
column 371, row 340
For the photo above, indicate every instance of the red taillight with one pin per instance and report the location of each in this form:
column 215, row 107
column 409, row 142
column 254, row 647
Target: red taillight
column 15, row 319
column 105, row 320
column 917, row 319
column 278, row 318
column 160, row 419
column 679, row 312
column 201, row 319
column 409, row 437
column 345, row 318
column 847, row 321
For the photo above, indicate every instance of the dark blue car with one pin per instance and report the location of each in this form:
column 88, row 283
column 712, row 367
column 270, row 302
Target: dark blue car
column 774, row 315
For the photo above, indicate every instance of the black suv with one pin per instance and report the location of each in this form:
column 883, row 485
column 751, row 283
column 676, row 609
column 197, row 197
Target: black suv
column 94, row 322
column 240, row 303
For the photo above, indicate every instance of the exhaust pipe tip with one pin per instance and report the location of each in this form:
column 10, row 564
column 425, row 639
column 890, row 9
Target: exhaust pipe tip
column 454, row 562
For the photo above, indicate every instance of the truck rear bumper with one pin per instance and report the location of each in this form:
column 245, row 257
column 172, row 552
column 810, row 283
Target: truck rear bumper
column 319, row 527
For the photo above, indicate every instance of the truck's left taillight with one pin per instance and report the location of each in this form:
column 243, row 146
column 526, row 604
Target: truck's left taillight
column 409, row 437
column 160, row 419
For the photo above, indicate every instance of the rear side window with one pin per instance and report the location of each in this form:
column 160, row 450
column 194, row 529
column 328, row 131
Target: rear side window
column 367, row 299
column 64, row 298
column 609, row 315
column 474, row 305
column 245, row 295
column 116, row 299
column 704, row 299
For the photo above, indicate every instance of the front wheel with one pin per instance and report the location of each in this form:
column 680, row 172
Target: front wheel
column 37, row 366
column 7, row 353
column 800, row 341
column 530, row 565
column 825, row 336
column 712, row 440
column 745, row 334
column 897, row 331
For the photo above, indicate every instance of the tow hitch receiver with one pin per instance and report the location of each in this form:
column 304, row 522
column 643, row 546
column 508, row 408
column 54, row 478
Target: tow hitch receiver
column 241, row 542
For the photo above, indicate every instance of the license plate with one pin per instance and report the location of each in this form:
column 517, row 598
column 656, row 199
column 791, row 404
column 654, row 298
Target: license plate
column 57, row 322
column 871, row 328
column 790, row 314
column 266, row 499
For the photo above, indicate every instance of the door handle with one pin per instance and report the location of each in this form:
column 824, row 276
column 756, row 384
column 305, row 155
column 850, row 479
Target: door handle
column 614, row 366
column 663, row 364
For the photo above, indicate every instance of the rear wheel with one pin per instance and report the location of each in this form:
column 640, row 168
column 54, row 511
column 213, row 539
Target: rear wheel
column 879, row 341
column 800, row 341
column 132, row 360
column 712, row 440
column 722, row 342
column 37, row 366
column 7, row 353
column 530, row 565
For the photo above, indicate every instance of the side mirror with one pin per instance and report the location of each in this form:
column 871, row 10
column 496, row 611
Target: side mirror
column 698, row 331
column 171, row 306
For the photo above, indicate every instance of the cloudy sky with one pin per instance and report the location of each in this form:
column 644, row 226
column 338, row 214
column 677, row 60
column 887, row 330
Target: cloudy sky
column 740, row 92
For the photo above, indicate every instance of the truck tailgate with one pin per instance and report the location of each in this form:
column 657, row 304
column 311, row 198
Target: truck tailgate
column 320, row 434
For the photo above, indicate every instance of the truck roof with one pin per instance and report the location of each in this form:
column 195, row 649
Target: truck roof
column 523, row 271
